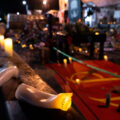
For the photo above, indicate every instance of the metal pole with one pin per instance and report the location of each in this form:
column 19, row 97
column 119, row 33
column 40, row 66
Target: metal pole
column 26, row 8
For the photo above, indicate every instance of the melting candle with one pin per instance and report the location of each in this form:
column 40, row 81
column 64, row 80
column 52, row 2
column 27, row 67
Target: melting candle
column 65, row 62
column 8, row 44
column 1, row 41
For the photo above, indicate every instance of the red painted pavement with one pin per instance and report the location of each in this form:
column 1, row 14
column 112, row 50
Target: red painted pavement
column 82, row 93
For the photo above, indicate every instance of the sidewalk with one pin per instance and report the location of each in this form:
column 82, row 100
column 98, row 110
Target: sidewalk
column 48, row 74
column 24, row 111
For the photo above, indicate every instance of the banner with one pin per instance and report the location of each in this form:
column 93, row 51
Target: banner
column 74, row 10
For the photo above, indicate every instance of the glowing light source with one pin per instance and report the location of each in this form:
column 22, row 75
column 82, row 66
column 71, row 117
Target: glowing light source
column 106, row 57
column 2, row 41
column 79, row 21
column 24, row 2
column 28, row 93
column 80, row 49
column 63, row 101
column 8, row 44
column 66, row 1
column 18, row 13
column 86, row 51
column 112, row 30
column 23, row 46
column 70, row 59
column 44, row 2
column 65, row 62
column 31, row 47
column 45, row 29
column 77, row 81
column 19, row 42
column 97, row 33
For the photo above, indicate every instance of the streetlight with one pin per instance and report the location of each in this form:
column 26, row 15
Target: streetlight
column 18, row 13
column 24, row 2
column 44, row 2
column 44, row 5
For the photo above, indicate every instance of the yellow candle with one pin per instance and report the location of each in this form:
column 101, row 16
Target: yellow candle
column 65, row 62
column 8, row 44
column 23, row 46
column 106, row 57
column 17, row 41
column 77, row 81
column 80, row 49
column 31, row 47
column 70, row 59
column 2, row 41
column 97, row 33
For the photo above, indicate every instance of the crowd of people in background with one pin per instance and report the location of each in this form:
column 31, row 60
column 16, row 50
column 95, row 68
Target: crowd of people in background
column 36, row 34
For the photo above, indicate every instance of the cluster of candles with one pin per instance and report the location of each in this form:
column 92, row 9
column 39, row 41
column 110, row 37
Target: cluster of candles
column 6, row 45
column 65, row 64
column 80, row 50
column 65, row 61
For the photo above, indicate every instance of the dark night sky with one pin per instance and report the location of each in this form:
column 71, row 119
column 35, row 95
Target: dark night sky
column 13, row 6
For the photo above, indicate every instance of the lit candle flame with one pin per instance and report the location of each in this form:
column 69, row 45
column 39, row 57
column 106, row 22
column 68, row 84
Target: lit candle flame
column 8, row 44
column 77, row 81
column 106, row 57
column 24, row 46
column 31, row 47
column 2, row 41
column 80, row 49
column 70, row 59
column 97, row 33
column 65, row 62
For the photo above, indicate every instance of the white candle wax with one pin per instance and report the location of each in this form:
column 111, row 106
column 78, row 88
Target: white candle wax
column 8, row 44
column 1, row 41
column 28, row 93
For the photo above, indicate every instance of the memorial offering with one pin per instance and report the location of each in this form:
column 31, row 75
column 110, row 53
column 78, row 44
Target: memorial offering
column 1, row 41
column 8, row 44
column 8, row 73
column 38, row 98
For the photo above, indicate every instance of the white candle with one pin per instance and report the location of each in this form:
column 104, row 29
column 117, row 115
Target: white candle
column 8, row 44
column 28, row 93
column 7, row 73
column 1, row 41
column 65, row 62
